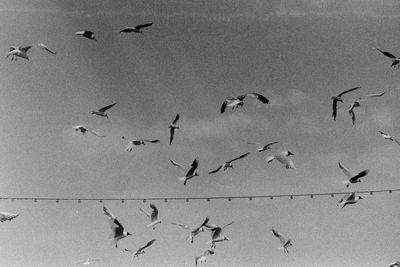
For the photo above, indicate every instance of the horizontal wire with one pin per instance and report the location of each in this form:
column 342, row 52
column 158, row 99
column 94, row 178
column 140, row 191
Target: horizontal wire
column 187, row 199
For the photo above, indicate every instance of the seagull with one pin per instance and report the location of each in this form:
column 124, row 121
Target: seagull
column 282, row 157
column 357, row 103
column 228, row 164
column 87, row 262
column 203, row 257
column 116, row 227
column 18, row 51
column 172, row 128
column 190, row 173
column 395, row 264
column 235, row 102
column 141, row 250
column 7, row 216
column 395, row 60
column 388, row 137
column 84, row 129
column 216, row 234
column 285, row 242
column 138, row 143
column 261, row 147
column 338, row 98
column 193, row 232
column 137, row 28
column 153, row 216
column 102, row 112
column 87, row 34
column 352, row 178
column 350, row 198
column 44, row 47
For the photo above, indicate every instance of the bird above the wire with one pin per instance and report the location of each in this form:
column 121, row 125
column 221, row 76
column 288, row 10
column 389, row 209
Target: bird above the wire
column 388, row 137
column 137, row 28
column 87, row 34
column 153, row 216
column 282, row 157
column 172, row 128
column 357, row 103
column 338, row 98
column 138, row 142
column 395, row 60
column 262, row 147
column 234, row 102
column 193, row 231
column 216, row 234
column 7, row 216
column 18, row 51
column 44, row 47
column 117, row 229
column 348, row 199
column 228, row 164
column 84, row 129
column 203, row 257
column 191, row 173
column 141, row 250
column 352, row 178
column 284, row 241
column 102, row 111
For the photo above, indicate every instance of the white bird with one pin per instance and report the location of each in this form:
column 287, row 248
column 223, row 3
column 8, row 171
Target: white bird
column 44, row 47
column 395, row 264
column 87, row 262
column 138, row 142
column 262, row 147
column 395, row 60
column 357, row 103
column 338, row 98
column 203, row 257
column 285, row 242
column 193, row 231
column 172, row 128
column 234, row 102
column 348, row 199
column 18, row 51
column 228, row 164
column 102, row 112
column 388, row 137
column 83, row 129
column 153, row 216
column 7, row 216
column 141, row 250
column 87, row 34
column 191, row 173
column 282, row 157
column 137, row 28
column 116, row 227
column 352, row 178
column 216, row 234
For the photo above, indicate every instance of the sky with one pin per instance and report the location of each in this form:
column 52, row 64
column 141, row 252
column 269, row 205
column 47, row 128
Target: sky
column 197, row 53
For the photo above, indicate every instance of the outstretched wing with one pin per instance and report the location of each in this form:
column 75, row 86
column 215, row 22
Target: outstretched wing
column 176, row 119
column 345, row 171
column 44, row 47
column 147, row 245
column 261, row 98
column 389, row 55
column 334, row 109
column 177, row 164
column 282, row 239
column 107, row 107
column 147, row 214
column 152, row 141
column 181, row 225
column 359, row 175
column 216, row 170
column 171, row 134
column 154, row 213
column 226, row 225
column 143, row 25
column 349, row 90
column 223, row 107
column 194, row 166
column 270, row 144
column 94, row 133
column 353, row 115
column 240, row 157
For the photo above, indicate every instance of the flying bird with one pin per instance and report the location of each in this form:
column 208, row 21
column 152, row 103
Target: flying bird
column 388, row 137
column 172, row 128
column 87, row 34
column 338, row 98
column 195, row 231
column 137, row 28
column 262, row 147
column 234, row 102
column 191, row 173
column 216, row 234
column 228, row 164
column 7, row 216
column 87, row 262
column 18, row 51
column 84, row 129
column 357, row 103
column 102, row 112
column 395, row 264
column 44, row 47
column 139, row 142
column 348, row 199
column 285, row 242
column 352, row 178
column 395, row 60
column 153, row 216
column 141, row 250
column 116, row 227
column 282, row 157
column 203, row 257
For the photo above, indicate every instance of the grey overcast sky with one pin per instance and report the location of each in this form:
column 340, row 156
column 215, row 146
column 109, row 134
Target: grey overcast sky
column 297, row 53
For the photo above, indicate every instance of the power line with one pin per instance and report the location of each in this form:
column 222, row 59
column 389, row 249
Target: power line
column 187, row 199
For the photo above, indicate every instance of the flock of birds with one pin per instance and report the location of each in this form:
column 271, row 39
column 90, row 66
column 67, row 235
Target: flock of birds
column 283, row 157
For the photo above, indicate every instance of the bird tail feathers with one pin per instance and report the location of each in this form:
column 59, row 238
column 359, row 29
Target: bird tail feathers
column 269, row 158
